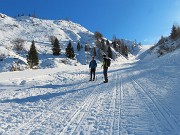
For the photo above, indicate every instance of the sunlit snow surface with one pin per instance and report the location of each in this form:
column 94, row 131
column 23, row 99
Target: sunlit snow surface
column 139, row 99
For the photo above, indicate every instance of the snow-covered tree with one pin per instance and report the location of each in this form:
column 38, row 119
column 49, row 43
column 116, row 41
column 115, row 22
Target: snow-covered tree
column 52, row 39
column 18, row 44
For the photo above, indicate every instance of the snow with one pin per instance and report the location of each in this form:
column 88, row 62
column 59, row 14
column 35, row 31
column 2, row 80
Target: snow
column 141, row 97
column 40, row 30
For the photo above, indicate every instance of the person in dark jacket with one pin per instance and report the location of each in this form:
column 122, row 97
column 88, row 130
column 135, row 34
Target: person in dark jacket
column 92, row 66
column 105, row 68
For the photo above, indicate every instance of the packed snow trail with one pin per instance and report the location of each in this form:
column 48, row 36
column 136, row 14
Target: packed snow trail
column 136, row 100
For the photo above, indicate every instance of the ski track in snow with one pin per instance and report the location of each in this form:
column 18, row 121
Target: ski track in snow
column 131, row 103
column 161, row 112
column 41, row 116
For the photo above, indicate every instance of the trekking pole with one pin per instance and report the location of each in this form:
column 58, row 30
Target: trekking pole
column 89, row 73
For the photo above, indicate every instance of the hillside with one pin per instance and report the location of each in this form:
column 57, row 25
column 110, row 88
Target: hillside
column 163, row 47
column 28, row 29
column 40, row 30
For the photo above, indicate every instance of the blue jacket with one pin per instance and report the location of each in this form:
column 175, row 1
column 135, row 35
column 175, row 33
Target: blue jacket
column 92, row 64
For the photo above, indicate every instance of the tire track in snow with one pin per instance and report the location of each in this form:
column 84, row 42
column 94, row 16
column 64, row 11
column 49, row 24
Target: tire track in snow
column 161, row 111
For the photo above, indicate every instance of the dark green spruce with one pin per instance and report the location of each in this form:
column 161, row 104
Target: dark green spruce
column 32, row 57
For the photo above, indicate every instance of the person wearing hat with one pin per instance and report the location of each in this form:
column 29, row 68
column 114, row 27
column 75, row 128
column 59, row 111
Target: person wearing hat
column 92, row 66
column 105, row 68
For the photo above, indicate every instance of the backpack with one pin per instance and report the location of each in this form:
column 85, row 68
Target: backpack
column 108, row 61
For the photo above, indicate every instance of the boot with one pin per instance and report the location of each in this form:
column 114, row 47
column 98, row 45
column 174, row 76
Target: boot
column 106, row 81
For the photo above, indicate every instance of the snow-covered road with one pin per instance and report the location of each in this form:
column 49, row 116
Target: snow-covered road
column 137, row 100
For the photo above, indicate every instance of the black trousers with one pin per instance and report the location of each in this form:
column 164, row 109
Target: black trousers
column 105, row 74
column 92, row 73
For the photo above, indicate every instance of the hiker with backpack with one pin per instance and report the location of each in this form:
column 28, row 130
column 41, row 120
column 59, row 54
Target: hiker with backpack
column 92, row 66
column 105, row 65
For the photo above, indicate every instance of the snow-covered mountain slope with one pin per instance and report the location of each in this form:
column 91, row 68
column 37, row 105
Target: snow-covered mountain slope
column 160, row 50
column 133, row 46
column 143, row 49
column 168, row 60
column 29, row 28
column 39, row 30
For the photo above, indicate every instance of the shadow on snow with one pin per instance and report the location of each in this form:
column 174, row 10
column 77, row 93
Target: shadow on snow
column 46, row 96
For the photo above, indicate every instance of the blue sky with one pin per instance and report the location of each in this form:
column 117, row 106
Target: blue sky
column 141, row 20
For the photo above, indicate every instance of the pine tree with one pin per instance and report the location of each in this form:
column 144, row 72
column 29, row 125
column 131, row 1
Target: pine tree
column 32, row 57
column 70, row 51
column 178, row 31
column 98, row 35
column 86, row 48
column 56, row 47
column 109, row 52
column 161, row 41
column 94, row 51
column 78, row 46
column 114, row 45
column 98, row 44
column 124, row 50
column 174, row 34
column 107, row 42
column 103, row 45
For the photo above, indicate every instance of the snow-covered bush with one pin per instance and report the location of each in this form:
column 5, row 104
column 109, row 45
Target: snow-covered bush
column 18, row 44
